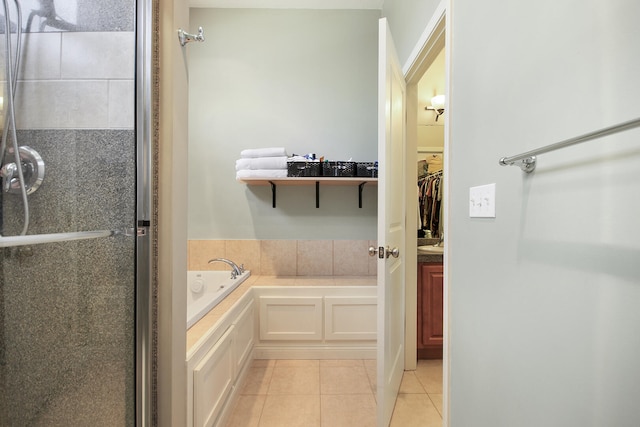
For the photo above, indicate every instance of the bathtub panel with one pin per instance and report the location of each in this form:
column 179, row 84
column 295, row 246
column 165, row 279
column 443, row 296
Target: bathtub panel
column 291, row 318
column 245, row 336
column 350, row 318
column 213, row 380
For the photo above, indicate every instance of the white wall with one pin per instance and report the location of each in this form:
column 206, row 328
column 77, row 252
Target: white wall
column 302, row 79
column 407, row 21
column 544, row 298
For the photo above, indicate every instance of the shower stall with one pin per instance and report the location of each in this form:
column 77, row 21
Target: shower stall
column 74, row 213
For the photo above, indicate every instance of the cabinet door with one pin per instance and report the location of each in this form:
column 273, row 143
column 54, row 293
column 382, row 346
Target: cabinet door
column 212, row 381
column 430, row 310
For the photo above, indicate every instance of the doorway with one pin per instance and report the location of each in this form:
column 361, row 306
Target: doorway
column 425, row 55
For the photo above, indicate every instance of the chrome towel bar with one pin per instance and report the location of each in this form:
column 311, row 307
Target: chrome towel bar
column 36, row 239
column 528, row 160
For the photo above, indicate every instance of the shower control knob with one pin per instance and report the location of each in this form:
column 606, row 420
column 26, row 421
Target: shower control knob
column 32, row 171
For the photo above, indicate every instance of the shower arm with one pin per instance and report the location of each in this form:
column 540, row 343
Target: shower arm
column 185, row 37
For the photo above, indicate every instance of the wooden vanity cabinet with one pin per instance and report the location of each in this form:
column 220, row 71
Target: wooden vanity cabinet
column 430, row 310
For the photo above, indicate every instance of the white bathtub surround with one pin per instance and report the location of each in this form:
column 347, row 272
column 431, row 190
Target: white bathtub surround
column 325, row 317
column 206, row 289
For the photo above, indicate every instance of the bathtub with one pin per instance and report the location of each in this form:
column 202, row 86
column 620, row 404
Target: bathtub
column 205, row 289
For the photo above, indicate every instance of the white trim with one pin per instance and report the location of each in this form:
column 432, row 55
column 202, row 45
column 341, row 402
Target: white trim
column 289, row 4
column 427, row 35
column 430, row 149
column 311, row 352
column 413, row 69
column 446, row 332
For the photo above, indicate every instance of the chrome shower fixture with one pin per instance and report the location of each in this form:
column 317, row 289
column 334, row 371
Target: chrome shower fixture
column 185, row 37
column 32, row 171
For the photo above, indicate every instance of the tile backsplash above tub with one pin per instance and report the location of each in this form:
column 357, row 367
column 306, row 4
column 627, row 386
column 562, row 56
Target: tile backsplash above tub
column 287, row 257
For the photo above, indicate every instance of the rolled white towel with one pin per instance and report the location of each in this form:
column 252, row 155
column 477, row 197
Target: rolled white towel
column 262, row 163
column 252, row 153
column 260, row 173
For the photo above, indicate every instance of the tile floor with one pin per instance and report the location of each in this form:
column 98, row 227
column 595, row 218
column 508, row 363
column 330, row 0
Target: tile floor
column 333, row 393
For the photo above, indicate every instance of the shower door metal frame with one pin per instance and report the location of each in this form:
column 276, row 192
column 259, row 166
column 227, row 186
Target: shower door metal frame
column 144, row 207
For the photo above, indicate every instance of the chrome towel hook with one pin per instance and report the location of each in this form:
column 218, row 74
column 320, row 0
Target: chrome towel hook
column 185, row 37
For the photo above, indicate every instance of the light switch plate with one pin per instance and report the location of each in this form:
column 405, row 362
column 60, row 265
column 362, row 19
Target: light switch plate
column 482, row 201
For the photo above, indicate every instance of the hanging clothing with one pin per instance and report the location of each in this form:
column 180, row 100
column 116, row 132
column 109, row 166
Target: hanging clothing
column 430, row 202
column 434, row 163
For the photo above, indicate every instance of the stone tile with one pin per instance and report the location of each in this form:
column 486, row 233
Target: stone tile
column 415, row 410
column 371, row 368
column 245, row 252
column 276, row 281
column 247, row 411
column 40, row 56
column 98, row 55
column 295, row 380
column 436, row 399
column 263, row 363
column 298, row 363
column 257, row 380
column 62, row 104
column 344, row 380
column 122, row 103
column 291, row 411
column 278, row 257
column 114, row 15
column 350, row 257
column 315, row 281
column 329, row 363
column 410, row 384
column 429, row 373
column 348, row 410
column 315, row 258
column 201, row 251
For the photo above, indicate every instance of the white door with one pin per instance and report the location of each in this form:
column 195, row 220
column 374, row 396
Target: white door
column 391, row 225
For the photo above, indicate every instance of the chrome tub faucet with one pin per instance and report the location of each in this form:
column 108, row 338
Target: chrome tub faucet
column 237, row 271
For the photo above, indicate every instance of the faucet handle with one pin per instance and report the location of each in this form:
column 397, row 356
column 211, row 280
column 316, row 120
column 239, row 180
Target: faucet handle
column 8, row 172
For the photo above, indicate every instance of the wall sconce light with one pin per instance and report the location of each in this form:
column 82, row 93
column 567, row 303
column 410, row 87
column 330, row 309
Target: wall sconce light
column 437, row 105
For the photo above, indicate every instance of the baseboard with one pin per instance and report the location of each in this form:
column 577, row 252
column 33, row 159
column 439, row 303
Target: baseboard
column 311, row 352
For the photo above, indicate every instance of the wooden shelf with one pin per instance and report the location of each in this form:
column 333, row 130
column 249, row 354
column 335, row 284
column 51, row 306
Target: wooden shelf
column 307, row 181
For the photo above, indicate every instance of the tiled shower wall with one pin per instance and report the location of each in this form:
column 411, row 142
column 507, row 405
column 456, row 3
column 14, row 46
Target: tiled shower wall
column 76, row 81
column 67, row 351
column 287, row 257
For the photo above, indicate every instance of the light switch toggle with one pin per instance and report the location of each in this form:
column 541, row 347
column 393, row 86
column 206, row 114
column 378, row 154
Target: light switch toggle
column 482, row 201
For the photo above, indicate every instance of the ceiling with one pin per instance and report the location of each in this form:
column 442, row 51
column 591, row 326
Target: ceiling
column 289, row 4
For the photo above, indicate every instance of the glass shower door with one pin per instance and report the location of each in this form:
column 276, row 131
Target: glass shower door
column 68, row 306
